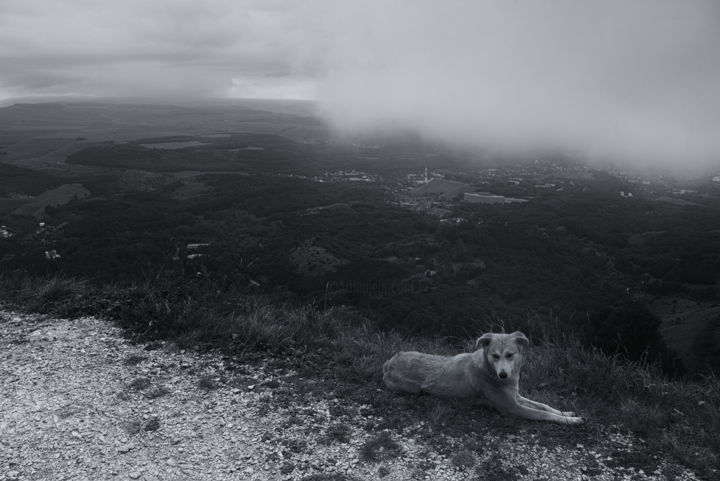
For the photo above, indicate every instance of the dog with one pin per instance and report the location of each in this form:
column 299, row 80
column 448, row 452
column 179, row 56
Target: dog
column 491, row 375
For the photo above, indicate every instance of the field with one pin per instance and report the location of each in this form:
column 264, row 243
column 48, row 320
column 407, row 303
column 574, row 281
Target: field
column 180, row 221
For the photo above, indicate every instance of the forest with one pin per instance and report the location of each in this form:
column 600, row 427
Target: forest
column 583, row 258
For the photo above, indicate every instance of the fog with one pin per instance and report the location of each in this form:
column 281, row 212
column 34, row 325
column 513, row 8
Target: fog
column 162, row 50
column 631, row 82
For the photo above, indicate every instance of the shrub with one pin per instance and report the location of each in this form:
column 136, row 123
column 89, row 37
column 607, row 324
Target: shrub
column 631, row 331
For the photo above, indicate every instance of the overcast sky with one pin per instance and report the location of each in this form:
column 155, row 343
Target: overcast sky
column 629, row 79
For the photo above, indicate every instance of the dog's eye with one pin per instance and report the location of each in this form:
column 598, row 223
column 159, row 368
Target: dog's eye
column 509, row 355
column 496, row 356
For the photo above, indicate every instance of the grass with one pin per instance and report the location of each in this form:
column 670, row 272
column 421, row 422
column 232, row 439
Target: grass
column 678, row 417
column 56, row 294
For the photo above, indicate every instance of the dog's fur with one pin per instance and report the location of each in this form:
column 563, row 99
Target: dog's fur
column 491, row 374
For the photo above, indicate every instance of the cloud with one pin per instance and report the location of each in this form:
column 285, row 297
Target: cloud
column 629, row 81
column 163, row 48
column 632, row 81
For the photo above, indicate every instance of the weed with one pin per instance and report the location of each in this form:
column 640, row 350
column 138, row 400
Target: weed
column 287, row 467
column 293, row 446
column 123, row 396
column 67, row 411
column 140, row 384
column 293, row 420
column 134, row 360
column 337, row 433
column 59, row 289
column 328, row 477
column 208, row 383
column 271, row 384
column 493, row 468
column 159, row 391
column 133, row 427
column 440, row 414
column 645, row 420
column 380, row 447
column 152, row 425
column 464, row 458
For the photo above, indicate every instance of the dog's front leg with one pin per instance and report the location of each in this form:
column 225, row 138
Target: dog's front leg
column 509, row 403
column 543, row 407
column 533, row 414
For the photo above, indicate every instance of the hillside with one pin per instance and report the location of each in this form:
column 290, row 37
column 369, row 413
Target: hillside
column 254, row 235
column 80, row 400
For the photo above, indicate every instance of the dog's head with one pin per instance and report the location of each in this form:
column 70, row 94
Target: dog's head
column 503, row 352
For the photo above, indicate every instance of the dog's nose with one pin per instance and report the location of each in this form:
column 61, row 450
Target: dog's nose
column 502, row 374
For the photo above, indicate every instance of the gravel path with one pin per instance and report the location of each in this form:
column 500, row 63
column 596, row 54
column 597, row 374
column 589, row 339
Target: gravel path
column 78, row 401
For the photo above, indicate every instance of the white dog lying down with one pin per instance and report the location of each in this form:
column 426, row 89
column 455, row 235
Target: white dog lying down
column 491, row 374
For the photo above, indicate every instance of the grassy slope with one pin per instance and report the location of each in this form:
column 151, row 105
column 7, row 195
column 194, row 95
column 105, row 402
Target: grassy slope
column 676, row 418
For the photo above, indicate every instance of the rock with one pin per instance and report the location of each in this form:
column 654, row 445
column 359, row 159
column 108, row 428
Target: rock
column 287, row 467
column 134, row 475
column 125, row 448
column 13, row 474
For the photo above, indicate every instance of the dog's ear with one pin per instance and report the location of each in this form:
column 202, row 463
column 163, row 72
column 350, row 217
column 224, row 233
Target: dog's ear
column 484, row 340
column 520, row 338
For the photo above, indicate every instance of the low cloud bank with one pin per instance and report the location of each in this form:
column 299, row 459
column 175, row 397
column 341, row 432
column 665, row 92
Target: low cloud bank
column 631, row 82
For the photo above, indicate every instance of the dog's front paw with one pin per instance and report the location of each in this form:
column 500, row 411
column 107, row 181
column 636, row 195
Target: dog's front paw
column 575, row 420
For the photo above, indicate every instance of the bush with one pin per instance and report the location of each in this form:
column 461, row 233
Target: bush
column 707, row 347
column 632, row 332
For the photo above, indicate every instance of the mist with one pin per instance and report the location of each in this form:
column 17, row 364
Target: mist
column 634, row 83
